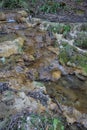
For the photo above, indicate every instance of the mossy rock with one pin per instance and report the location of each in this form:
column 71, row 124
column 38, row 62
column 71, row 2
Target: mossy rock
column 66, row 53
column 81, row 40
column 70, row 54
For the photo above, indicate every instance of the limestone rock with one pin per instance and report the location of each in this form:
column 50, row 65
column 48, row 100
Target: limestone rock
column 8, row 48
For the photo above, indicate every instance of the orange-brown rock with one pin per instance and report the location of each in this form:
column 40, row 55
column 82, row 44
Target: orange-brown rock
column 56, row 74
column 8, row 48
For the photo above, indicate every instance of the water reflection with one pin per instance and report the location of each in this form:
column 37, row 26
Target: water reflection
column 69, row 90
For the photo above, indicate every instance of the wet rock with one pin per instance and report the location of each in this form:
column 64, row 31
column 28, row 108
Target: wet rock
column 9, row 48
column 2, row 16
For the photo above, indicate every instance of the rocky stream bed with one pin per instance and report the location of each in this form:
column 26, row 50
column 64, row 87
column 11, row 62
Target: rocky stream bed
column 43, row 68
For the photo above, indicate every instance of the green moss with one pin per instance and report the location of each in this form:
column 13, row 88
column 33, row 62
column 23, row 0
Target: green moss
column 82, row 62
column 50, row 6
column 36, row 121
column 60, row 29
column 63, row 57
column 81, row 40
column 69, row 54
column 84, row 67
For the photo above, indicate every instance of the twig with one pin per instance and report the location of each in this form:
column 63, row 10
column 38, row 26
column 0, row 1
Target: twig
column 59, row 106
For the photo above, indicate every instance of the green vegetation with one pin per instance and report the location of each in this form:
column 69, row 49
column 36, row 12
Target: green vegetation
column 57, row 125
column 65, row 54
column 61, row 29
column 70, row 54
column 50, row 6
column 35, row 121
column 47, row 6
column 81, row 40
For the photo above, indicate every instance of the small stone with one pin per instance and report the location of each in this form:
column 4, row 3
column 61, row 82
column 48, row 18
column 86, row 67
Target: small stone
column 56, row 74
column 52, row 106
